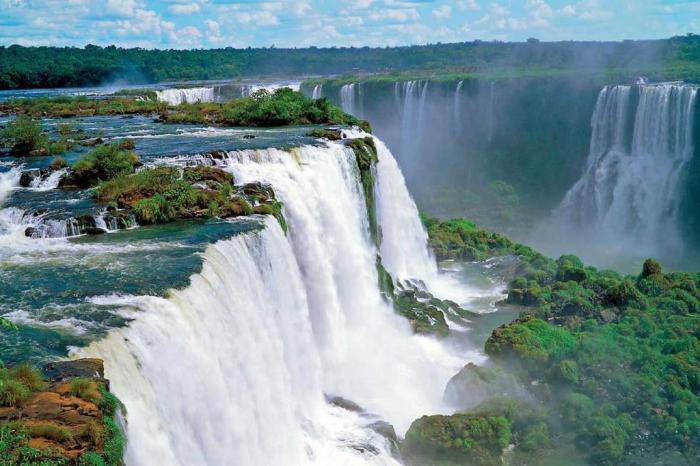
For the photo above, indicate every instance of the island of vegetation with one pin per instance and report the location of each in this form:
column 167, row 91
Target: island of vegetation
column 283, row 107
column 599, row 368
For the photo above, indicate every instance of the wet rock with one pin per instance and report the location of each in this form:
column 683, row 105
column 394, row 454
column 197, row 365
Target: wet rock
column 248, row 136
column 326, row 133
column 387, row 431
column 344, row 403
column 89, row 142
column 28, row 176
column 217, row 155
column 475, row 384
column 259, row 191
column 91, row 368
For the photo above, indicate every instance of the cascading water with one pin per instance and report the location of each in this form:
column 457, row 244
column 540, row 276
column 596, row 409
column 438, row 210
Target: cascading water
column 317, row 92
column 630, row 189
column 457, row 113
column 188, row 95
column 233, row 369
column 350, row 98
column 48, row 183
column 411, row 98
column 9, row 180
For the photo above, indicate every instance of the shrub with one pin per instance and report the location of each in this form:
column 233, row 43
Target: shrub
column 91, row 458
column 58, row 163
column 13, row 392
column 85, row 389
column 23, row 135
column 29, row 377
column 93, row 432
column 114, row 442
column 103, row 163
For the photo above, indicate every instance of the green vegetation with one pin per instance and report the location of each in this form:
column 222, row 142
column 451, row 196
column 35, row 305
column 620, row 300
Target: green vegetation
column 280, row 108
column 25, row 67
column 50, row 431
column 477, row 437
column 14, row 449
column 18, row 383
column 366, row 157
column 460, row 239
column 66, row 106
column 86, row 389
column 103, row 163
column 160, row 195
column 100, row 435
column 616, row 359
column 25, row 138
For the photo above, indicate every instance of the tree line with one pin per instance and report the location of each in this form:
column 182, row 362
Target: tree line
column 33, row 67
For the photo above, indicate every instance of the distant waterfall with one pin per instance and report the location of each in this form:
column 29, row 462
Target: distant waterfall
column 630, row 188
column 317, row 92
column 189, row 95
column 458, row 95
column 350, row 98
column 233, row 369
column 411, row 99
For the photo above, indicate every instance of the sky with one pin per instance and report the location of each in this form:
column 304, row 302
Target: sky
column 300, row 23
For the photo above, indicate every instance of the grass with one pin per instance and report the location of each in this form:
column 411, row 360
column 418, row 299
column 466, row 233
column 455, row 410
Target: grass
column 265, row 109
column 50, row 431
column 85, row 389
column 103, row 163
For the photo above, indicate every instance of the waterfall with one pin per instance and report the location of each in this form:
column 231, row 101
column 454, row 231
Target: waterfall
column 250, row 89
column 630, row 189
column 411, row 98
column 190, row 95
column 458, row 94
column 317, row 92
column 9, row 180
column 50, row 182
column 492, row 110
column 350, row 96
column 234, row 368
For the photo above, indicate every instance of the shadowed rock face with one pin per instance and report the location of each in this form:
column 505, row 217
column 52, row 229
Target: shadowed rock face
column 60, row 371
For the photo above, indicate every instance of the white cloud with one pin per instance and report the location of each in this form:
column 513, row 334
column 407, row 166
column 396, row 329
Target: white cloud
column 123, row 8
column 184, row 8
column 260, row 18
column 444, row 11
column 402, row 15
column 587, row 10
column 470, row 5
column 362, row 4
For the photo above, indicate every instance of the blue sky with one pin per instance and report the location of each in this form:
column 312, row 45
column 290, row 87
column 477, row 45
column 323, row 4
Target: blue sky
column 298, row 23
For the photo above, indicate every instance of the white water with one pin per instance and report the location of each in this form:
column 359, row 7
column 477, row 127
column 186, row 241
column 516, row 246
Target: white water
column 317, row 92
column 349, row 98
column 628, row 196
column 9, row 181
column 48, row 183
column 232, row 370
column 249, row 90
column 190, row 95
column 411, row 98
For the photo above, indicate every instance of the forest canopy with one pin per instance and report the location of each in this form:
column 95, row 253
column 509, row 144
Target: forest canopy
column 32, row 67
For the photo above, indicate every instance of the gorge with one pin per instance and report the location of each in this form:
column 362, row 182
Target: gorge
column 461, row 140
